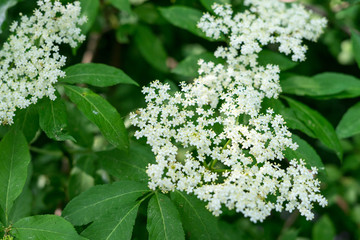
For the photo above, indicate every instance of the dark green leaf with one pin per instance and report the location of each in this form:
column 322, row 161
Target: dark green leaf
column 49, row 227
column 96, row 74
column 27, row 121
column 349, row 125
column 293, row 122
column 185, row 18
column 307, row 153
column 324, row 85
column 115, row 225
column 355, row 38
column 208, row 3
column 151, row 48
column 289, row 234
column 270, row 57
column 189, row 66
column 163, row 220
column 101, row 113
column 80, row 127
column 14, row 161
column 127, row 166
column 323, row 130
column 121, row 4
column 53, row 119
column 323, row 229
column 198, row 222
column 90, row 9
column 90, row 205
column 4, row 6
column 22, row 205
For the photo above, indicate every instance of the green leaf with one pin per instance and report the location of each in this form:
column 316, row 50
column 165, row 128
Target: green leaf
column 79, row 182
column 80, row 127
column 90, row 9
column 324, row 85
column 27, row 121
column 121, row 4
column 101, row 113
column 323, row 130
column 14, row 161
column 115, row 225
column 185, row 18
column 293, row 122
column 355, row 39
column 163, row 220
column 49, row 227
column 53, row 119
column 270, row 57
column 96, row 74
column 189, row 66
column 90, row 205
column 349, row 124
column 307, row 153
column 323, row 229
column 4, row 6
column 151, row 48
column 22, row 205
column 289, row 234
column 127, row 166
column 208, row 3
column 198, row 222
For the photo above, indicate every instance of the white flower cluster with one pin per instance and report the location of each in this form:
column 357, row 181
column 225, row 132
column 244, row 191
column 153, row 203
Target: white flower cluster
column 266, row 21
column 30, row 61
column 234, row 149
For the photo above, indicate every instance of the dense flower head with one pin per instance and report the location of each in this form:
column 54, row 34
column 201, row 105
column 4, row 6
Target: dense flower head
column 30, row 62
column 213, row 139
column 264, row 22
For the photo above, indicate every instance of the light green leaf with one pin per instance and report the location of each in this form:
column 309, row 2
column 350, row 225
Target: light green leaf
column 127, row 166
column 323, row 229
column 189, row 66
column 90, row 205
column 307, row 153
column 121, row 4
column 208, row 3
column 53, row 119
column 4, row 6
column 14, row 161
column 163, row 220
column 197, row 221
column 115, row 225
column 49, row 227
column 355, row 39
column 185, row 18
column 293, row 122
column 270, row 57
column 323, row 130
column 151, row 48
column 324, row 85
column 101, row 113
column 96, row 74
column 349, row 124
column 90, row 9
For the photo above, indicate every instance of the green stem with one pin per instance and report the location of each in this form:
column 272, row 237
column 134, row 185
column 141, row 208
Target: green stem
column 46, row 152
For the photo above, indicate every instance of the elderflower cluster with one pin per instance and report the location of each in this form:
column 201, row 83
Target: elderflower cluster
column 30, row 62
column 234, row 148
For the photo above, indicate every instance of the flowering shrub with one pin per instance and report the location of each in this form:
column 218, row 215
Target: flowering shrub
column 225, row 145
